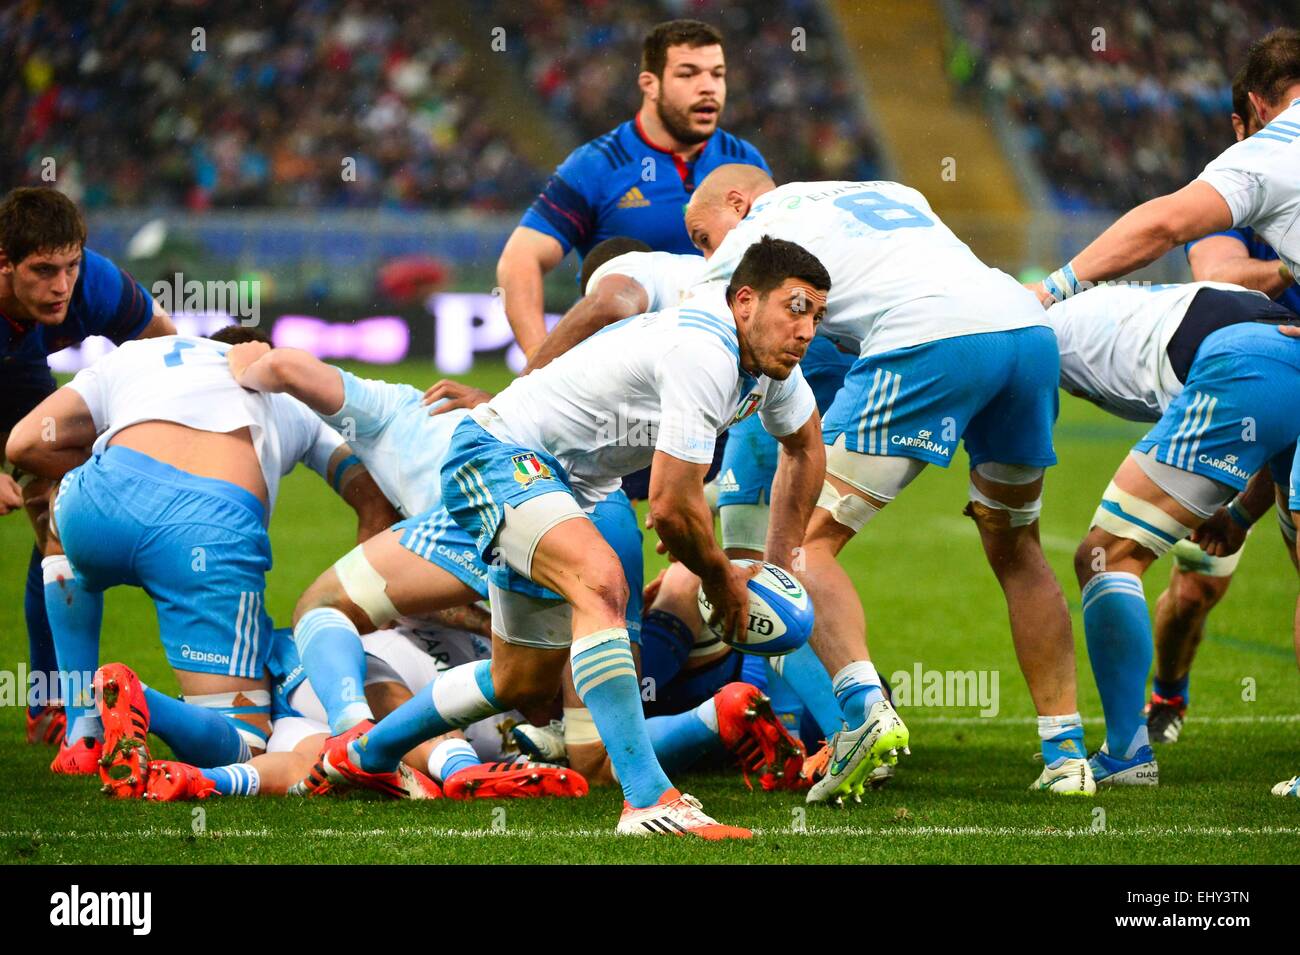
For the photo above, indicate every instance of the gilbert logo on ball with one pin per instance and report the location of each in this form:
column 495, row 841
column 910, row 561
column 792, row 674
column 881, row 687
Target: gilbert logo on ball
column 780, row 613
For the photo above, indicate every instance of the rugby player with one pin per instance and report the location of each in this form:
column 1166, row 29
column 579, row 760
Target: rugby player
column 634, row 180
column 522, row 468
column 54, row 292
column 1199, row 580
column 1254, row 183
column 169, row 474
column 949, row 350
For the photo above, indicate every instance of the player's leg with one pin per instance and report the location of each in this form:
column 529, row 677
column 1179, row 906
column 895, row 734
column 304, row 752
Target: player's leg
column 418, row 566
column 1147, row 508
column 1197, row 583
column 1289, row 498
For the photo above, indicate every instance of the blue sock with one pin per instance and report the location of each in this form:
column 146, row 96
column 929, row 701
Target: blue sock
column 75, row 615
column 335, row 661
column 197, row 735
column 605, row 678
column 461, row 696
column 1172, row 688
column 43, row 663
column 806, row 675
column 856, row 688
column 681, row 739
column 451, row 756
column 666, row 643
column 237, row 780
column 1118, row 631
column 1061, row 738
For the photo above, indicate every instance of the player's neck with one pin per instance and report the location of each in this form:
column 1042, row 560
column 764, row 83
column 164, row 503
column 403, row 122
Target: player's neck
column 653, row 129
column 10, row 307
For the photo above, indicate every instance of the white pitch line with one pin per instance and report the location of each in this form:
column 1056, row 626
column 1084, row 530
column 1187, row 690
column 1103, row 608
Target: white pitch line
column 893, row 832
column 911, row 716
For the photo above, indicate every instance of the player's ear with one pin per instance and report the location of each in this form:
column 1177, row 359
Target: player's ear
column 649, row 84
column 1258, row 105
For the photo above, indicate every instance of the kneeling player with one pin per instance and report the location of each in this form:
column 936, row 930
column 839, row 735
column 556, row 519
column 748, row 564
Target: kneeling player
column 174, row 498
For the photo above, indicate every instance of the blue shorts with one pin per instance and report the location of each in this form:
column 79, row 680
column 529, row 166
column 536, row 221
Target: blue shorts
column 286, row 671
column 437, row 538
column 1237, row 411
column 997, row 391
column 196, row 545
column 749, row 461
column 1294, row 493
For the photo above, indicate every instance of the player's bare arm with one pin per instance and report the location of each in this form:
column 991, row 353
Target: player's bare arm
column 614, row 298
column 1222, row 258
column 54, row 437
column 160, row 324
column 527, row 257
column 357, row 487
column 259, row 367
column 683, row 521
column 1145, row 233
column 800, row 472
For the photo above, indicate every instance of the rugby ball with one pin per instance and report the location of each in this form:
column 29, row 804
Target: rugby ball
column 780, row 613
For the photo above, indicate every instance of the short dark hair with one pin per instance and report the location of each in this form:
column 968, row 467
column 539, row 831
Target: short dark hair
column 769, row 262
column 1240, row 101
column 238, row 334
column 1273, row 64
column 602, row 252
column 39, row 219
column 691, row 33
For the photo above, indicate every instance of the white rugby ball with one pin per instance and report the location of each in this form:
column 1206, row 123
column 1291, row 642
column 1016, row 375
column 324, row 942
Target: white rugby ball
column 780, row 613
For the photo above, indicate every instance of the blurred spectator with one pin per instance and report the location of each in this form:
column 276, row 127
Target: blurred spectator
column 266, row 115
column 1119, row 116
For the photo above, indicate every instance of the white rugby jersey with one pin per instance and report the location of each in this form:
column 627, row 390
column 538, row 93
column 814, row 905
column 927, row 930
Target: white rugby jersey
column 899, row 276
column 665, row 381
column 187, row 381
column 1259, row 179
column 665, row 276
column 401, row 444
column 1114, row 341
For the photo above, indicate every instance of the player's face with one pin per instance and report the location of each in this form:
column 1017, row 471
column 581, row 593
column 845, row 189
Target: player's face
column 778, row 327
column 43, row 282
column 708, row 225
column 692, row 92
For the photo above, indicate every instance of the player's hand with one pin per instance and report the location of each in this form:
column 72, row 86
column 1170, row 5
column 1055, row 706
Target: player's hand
column 1290, row 331
column 11, row 494
column 1220, row 536
column 660, row 546
column 244, row 354
column 1044, row 297
column 457, row 395
column 729, row 597
column 651, row 590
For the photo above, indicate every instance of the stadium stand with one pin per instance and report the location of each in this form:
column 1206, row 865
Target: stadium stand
column 1113, row 126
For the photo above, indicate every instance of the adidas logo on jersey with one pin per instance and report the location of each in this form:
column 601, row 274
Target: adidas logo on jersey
column 727, row 482
column 633, row 199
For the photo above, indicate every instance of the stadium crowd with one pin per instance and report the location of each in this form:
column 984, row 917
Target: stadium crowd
column 1149, row 96
column 280, row 91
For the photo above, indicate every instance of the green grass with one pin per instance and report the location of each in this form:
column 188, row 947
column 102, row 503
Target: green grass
column 961, row 796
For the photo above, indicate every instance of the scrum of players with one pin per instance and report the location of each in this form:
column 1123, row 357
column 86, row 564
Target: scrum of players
column 488, row 637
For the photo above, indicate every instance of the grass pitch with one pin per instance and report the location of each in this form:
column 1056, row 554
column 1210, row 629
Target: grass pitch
column 961, row 796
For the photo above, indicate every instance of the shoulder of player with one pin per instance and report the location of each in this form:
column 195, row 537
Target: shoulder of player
column 732, row 148
column 604, row 153
column 692, row 325
column 97, row 276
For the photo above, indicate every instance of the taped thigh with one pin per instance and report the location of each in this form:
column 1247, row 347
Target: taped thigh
column 880, row 476
column 995, row 514
column 1132, row 518
column 523, row 527
column 236, row 704
column 365, row 587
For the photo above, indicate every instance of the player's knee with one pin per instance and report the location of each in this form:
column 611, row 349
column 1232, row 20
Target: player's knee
column 1022, row 502
column 1196, row 594
column 1091, row 556
column 602, row 589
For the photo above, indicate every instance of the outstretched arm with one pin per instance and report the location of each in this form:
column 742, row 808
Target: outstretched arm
column 259, row 367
